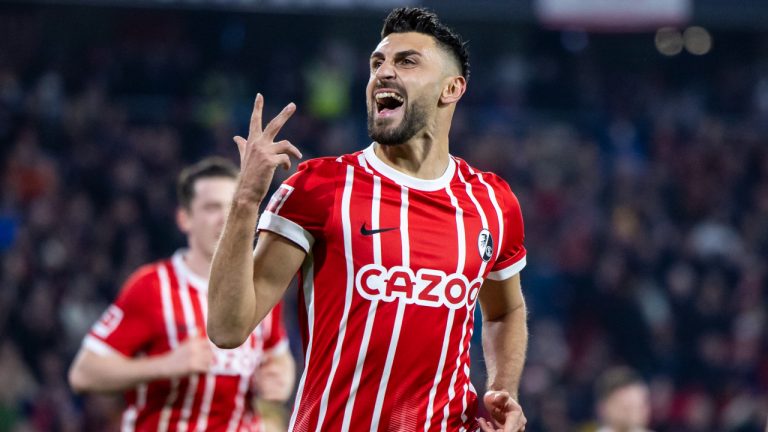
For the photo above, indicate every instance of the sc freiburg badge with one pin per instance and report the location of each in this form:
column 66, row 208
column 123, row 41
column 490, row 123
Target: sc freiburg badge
column 485, row 244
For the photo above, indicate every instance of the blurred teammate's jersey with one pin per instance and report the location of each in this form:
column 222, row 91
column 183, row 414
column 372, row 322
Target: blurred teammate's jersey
column 160, row 306
column 389, row 286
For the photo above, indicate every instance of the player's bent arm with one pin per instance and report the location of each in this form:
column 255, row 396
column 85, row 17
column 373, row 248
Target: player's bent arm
column 505, row 333
column 112, row 371
column 244, row 285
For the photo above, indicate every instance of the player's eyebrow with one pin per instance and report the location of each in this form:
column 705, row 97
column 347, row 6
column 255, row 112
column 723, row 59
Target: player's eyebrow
column 398, row 55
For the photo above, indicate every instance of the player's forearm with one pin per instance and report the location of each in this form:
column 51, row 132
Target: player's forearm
column 505, row 340
column 231, row 297
column 92, row 372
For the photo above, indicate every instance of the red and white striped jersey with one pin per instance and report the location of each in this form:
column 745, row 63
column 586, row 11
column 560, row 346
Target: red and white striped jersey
column 389, row 285
column 161, row 305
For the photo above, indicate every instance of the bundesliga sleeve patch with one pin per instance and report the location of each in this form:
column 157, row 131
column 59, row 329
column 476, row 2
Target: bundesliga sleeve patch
column 278, row 198
column 108, row 322
column 485, row 244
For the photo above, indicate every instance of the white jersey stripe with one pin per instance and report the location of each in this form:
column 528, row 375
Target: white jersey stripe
column 237, row 414
column 375, row 221
column 347, row 231
column 392, row 350
column 205, row 406
column 495, row 202
column 308, row 286
column 168, row 315
column 462, row 255
column 364, row 164
column 466, row 345
column 173, row 342
column 189, row 319
column 128, row 423
column 209, row 385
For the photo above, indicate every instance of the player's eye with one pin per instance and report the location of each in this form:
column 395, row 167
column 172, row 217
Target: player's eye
column 408, row 61
column 375, row 64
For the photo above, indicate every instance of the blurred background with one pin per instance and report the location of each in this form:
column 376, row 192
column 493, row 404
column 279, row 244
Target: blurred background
column 636, row 139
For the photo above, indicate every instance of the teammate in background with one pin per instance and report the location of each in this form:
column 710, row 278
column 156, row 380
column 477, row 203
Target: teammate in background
column 623, row 401
column 394, row 246
column 152, row 344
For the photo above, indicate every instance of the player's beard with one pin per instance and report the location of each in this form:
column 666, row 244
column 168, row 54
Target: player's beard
column 414, row 120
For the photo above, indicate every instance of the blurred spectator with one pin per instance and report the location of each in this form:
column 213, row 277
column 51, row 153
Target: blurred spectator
column 623, row 401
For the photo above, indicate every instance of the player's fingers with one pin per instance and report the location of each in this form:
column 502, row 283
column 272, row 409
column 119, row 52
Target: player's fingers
column 255, row 126
column 285, row 146
column 484, row 425
column 277, row 123
column 523, row 422
column 283, row 160
column 512, row 423
column 241, row 143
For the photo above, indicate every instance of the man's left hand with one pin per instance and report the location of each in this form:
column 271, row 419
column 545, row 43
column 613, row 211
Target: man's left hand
column 507, row 415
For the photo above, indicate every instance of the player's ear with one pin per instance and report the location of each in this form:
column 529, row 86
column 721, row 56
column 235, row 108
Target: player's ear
column 182, row 219
column 453, row 89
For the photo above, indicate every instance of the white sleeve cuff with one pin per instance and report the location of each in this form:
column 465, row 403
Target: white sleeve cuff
column 98, row 346
column 508, row 272
column 286, row 228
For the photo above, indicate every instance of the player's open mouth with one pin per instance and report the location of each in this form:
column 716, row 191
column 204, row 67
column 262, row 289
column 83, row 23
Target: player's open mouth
column 388, row 102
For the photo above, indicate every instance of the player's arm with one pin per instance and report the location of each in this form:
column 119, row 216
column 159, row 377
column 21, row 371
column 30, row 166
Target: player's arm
column 505, row 339
column 107, row 370
column 245, row 285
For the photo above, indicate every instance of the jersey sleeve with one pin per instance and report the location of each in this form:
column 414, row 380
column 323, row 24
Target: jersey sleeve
column 300, row 207
column 512, row 256
column 275, row 335
column 126, row 327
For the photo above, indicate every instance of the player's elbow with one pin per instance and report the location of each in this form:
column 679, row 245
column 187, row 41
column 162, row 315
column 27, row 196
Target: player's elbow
column 78, row 379
column 225, row 338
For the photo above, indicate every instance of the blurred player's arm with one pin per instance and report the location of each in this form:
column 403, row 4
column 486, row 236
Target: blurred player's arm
column 505, row 339
column 111, row 371
column 244, row 285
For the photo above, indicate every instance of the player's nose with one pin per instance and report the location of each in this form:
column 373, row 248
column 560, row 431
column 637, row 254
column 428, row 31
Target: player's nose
column 385, row 71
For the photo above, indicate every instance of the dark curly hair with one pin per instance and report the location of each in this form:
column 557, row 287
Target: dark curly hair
column 420, row 20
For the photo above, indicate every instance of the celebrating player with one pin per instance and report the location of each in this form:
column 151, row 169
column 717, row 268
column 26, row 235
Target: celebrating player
column 394, row 245
column 152, row 341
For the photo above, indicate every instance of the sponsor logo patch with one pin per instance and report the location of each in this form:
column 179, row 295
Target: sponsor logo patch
column 425, row 287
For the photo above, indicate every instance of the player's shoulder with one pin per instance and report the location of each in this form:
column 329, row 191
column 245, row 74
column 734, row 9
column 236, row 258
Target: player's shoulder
column 327, row 167
column 489, row 178
column 145, row 280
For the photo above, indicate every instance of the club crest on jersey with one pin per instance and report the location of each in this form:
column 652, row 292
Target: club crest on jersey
column 485, row 244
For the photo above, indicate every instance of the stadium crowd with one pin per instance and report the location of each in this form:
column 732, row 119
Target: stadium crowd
column 643, row 182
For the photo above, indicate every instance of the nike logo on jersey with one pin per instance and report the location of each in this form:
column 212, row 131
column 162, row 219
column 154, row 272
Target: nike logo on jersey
column 367, row 232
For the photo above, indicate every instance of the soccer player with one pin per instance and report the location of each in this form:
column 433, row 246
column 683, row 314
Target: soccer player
column 152, row 344
column 394, row 245
column 623, row 401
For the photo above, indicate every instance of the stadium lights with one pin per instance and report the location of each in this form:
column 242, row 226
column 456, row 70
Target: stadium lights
column 670, row 41
column 697, row 40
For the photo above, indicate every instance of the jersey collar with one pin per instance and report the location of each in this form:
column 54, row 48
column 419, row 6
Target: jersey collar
column 196, row 281
column 404, row 179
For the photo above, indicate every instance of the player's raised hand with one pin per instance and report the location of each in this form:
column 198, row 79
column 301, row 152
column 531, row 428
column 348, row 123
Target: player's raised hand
column 192, row 356
column 260, row 155
column 506, row 412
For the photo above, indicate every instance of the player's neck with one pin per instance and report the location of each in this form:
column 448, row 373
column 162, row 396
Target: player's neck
column 198, row 263
column 422, row 157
